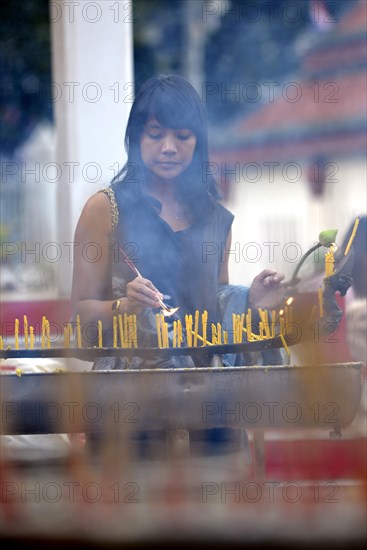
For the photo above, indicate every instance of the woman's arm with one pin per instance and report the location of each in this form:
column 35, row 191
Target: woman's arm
column 92, row 287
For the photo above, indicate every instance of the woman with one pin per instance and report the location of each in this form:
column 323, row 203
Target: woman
column 163, row 211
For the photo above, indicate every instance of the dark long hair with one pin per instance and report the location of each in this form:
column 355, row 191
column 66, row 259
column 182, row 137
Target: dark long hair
column 174, row 103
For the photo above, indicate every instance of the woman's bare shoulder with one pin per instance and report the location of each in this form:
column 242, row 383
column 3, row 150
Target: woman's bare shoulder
column 97, row 212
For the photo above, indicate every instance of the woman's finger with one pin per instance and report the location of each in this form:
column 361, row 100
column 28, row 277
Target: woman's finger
column 143, row 291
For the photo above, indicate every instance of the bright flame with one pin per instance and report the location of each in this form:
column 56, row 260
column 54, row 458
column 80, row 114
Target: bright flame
column 169, row 311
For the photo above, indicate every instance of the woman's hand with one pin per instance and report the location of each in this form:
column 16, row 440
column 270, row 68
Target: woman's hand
column 141, row 293
column 267, row 290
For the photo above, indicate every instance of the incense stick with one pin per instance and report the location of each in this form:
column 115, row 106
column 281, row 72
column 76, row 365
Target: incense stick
column 169, row 310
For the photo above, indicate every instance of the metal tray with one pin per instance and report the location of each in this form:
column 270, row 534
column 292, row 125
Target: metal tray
column 255, row 397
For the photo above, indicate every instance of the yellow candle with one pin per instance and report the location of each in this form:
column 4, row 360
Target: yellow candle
column 219, row 333
column 174, row 334
column 204, row 322
column 48, row 340
column 289, row 303
column 249, row 325
column 130, row 335
column 135, row 330
column 286, row 315
column 1, row 343
column 214, row 334
column 281, row 325
column 25, row 322
column 121, row 331
column 159, row 333
column 66, row 337
column 100, row 334
column 351, row 239
column 234, row 328
column 31, row 337
column 202, row 339
column 252, row 335
column 179, row 333
column 165, row 333
column 126, row 331
column 321, row 302
column 238, row 329
column 265, row 322
column 284, row 344
column 273, row 323
column 196, row 327
column 78, row 332
column 188, row 322
column 16, row 333
column 242, row 322
column 114, row 329
column 329, row 263
column 225, row 337
column 43, row 329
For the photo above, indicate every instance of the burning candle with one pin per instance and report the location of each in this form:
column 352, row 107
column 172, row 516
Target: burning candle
column 281, row 322
column 286, row 315
column 16, row 333
column 289, row 303
column 351, row 239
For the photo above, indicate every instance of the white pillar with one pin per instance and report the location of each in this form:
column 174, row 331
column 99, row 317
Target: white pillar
column 92, row 81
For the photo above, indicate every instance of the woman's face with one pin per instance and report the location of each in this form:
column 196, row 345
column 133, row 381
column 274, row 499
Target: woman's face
column 166, row 152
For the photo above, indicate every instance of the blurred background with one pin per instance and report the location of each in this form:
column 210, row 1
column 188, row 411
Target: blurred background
column 284, row 83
